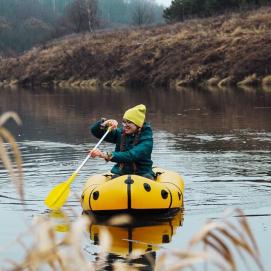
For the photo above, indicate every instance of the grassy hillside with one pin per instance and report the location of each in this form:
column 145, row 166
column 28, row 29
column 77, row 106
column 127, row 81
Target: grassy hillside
column 219, row 50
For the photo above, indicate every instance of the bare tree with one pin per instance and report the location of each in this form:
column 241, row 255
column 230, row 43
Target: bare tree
column 82, row 15
column 142, row 13
column 54, row 3
column 92, row 10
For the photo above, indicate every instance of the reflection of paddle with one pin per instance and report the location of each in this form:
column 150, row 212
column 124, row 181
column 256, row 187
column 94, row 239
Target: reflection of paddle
column 60, row 220
column 59, row 194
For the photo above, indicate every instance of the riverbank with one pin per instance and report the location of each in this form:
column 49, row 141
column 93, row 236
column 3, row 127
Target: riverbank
column 225, row 50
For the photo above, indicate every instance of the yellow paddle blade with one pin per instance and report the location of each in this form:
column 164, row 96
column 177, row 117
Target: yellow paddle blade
column 59, row 194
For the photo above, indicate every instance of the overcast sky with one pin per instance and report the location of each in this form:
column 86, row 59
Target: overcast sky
column 165, row 3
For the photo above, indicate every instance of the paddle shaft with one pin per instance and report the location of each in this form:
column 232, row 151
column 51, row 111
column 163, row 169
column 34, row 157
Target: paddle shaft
column 58, row 196
column 96, row 146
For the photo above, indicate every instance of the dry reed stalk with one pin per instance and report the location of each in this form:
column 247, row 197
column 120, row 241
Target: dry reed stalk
column 48, row 250
column 119, row 266
column 213, row 81
column 262, row 19
column 249, row 80
column 221, row 239
column 14, row 168
column 267, row 88
column 267, row 80
column 225, row 82
column 119, row 220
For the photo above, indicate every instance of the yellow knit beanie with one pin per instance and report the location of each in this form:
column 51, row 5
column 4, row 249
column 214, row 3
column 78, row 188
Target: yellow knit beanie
column 136, row 114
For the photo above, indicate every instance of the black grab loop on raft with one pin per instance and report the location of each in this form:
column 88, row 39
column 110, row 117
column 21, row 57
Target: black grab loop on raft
column 179, row 195
column 95, row 195
column 165, row 239
column 147, row 187
column 164, row 194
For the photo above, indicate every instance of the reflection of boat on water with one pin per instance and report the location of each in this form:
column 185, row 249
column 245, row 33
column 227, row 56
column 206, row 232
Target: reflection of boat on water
column 138, row 242
column 134, row 243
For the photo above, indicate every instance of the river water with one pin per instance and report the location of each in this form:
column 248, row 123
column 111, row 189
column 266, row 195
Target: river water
column 218, row 140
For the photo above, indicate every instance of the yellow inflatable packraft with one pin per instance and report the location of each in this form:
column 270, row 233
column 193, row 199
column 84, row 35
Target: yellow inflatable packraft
column 133, row 194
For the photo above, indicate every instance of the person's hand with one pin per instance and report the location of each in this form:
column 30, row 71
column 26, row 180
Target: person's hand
column 96, row 153
column 110, row 123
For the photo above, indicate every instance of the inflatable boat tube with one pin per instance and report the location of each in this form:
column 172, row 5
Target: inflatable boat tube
column 133, row 194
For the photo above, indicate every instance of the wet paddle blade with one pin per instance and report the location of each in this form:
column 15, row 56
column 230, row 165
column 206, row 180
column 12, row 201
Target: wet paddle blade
column 59, row 194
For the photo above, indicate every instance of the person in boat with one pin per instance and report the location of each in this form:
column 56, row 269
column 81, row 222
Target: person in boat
column 134, row 143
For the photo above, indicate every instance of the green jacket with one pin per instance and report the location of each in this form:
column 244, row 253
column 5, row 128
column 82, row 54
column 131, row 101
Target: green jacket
column 138, row 154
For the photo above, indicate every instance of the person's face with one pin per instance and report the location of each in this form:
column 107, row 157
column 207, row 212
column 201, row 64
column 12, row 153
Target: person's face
column 129, row 127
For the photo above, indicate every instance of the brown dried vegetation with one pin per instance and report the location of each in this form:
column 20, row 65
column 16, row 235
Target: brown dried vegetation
column 220, row 239
column 217, row 243
column 10, row 154
column 236, row 46
column 267, row 80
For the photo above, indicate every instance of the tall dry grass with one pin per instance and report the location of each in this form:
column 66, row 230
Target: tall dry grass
column 11, row 158
column 193, row 51
column 217, row 243
column 267, row 80
column 47, row 250
column 220, row 242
